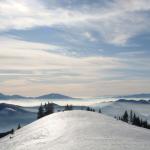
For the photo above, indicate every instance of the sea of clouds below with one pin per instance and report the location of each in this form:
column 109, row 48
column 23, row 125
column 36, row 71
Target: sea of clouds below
column 79, row 101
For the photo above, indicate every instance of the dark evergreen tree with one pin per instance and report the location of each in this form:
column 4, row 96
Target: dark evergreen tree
column 40, row 112
column 125, row 117
column 49, row 108
column 12, row 131
column 134, row 119
column 93, row 110
column 131, row 116
column 19, row 126
column 100, row 111
column 68, row 107
column 88, row 109
column 138, row 122
column 145, row 124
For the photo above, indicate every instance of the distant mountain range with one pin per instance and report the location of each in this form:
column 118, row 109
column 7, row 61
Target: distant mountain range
column 5, row 97
column 134, row 101
column 47, row 96
column 143, row 95
column 53, row 96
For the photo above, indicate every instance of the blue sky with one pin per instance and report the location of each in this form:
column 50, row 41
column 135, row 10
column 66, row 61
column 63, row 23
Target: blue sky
column 79, row 48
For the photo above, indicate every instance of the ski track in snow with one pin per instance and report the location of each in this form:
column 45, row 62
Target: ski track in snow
column 78, row 130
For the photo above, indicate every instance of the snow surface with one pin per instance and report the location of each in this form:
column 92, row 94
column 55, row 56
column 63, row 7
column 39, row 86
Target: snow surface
column 78, row 130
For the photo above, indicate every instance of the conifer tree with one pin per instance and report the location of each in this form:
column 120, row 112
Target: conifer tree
column 49, row 108
column 19, row 126
column 100, row 111
column 40, row 112
column 134, row 119
column 12, row 131
column 68, row 107
column 131, row 116
column 88, row 109
column 125, row 117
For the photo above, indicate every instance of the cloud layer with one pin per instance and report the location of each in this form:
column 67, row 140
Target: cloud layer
column 26, row 64
column 83, row 48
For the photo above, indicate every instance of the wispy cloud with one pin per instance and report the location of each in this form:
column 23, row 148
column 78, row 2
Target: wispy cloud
column 116, row 21
column 32, row 63
column 34, row 66
column 30, row 55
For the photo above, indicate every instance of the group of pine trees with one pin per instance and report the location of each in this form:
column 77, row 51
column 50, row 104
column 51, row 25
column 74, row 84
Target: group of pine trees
column 93, row 110
column 133, row 119
column 68, row 107
column 90, row 109
column 46, row 109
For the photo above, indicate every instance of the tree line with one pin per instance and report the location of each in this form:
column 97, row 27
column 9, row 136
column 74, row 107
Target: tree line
column 93, row 110
column 44, row 110
column 48, row 108
column 133, row 119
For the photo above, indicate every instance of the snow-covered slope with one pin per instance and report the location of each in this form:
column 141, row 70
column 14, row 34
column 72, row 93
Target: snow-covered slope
column 78, row 130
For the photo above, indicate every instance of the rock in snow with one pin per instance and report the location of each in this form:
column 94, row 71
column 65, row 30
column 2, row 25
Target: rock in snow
column 78, row 130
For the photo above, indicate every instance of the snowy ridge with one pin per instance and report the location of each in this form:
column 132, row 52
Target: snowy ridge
column 78, row 130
